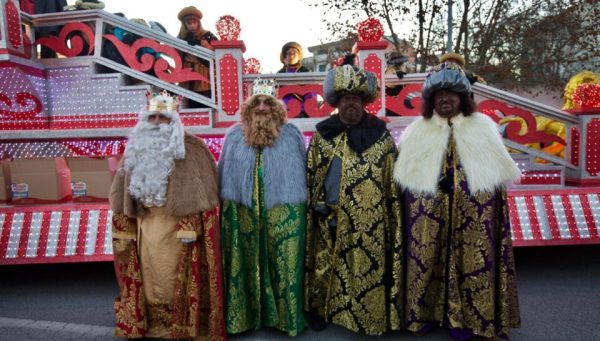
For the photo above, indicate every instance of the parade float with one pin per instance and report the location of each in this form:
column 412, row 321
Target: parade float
column 64, row 123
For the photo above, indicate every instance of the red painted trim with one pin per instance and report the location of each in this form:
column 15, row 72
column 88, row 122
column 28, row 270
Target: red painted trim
column 538, row 192
column 583, row 182
column 25, row 230
column 514, row 220
column 61, row 259
column 101, row 234
column 534, row 223
column 371, row 45
column 45, row 230
column 589, row 216
column 32, row 71
column 63, row 233
column 584, row 111
column 14, row 53
column 552, row 242
column 89, row 199
column 571, row 222
column 82, row 232
column 35, row 201
column 551, row 215
column 8, row 219
column 225, row 124
column 232, row 44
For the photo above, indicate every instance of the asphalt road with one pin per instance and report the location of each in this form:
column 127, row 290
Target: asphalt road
column 559, row 291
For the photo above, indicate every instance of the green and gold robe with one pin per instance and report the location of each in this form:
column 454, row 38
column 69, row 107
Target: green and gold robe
column 353, row 247
column 263, row 226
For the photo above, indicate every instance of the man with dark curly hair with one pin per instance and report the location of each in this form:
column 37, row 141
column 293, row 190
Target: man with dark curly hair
column 453, row 168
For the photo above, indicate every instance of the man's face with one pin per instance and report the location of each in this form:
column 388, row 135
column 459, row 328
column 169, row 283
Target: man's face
column 158, row 119
column 262, row 105
column 192, row 24
column 446, row 103
column 292, row 56
column 350, row 108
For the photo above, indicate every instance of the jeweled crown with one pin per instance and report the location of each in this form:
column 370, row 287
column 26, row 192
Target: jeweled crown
column 162, row 102
column 264, row 87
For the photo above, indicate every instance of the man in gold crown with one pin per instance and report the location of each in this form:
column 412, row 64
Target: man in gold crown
column 164, row 200
column 263, row 192
column 353, row 241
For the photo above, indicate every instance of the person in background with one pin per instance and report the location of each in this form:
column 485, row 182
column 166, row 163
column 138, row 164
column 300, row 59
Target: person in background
column 291, row 57
column 48, row 6
column 453, row 169
column 193, row 33
column 165, row 230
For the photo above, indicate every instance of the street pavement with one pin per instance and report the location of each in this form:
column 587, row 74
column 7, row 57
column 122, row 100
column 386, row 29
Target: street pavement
column 559, row 292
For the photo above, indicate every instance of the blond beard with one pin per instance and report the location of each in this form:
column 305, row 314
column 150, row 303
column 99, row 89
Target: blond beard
column 149, row 160
column 262, row 128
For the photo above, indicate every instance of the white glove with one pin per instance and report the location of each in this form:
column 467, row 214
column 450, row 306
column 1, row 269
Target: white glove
column 187, row 240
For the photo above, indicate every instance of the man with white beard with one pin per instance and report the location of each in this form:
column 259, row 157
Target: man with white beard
column 165, row 231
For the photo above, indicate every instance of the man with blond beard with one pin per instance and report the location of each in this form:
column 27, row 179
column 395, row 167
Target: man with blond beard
column 263, row 192
column 164, row 201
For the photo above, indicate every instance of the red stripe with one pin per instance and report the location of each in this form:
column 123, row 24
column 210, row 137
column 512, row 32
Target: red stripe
column 514, row 219
column 44, row 231
column 101, row 234
column 534, row 223
column 589, row 216
column 25, row 229
column 82, row 232
column 8, row 219
column 551, row 215
column 571, row 223
column 64, row 232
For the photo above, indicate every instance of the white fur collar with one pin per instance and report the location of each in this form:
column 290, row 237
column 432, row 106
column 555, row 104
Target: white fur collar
column 480, row 150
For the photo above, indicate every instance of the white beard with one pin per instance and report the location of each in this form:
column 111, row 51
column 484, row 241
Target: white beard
column 149, row 159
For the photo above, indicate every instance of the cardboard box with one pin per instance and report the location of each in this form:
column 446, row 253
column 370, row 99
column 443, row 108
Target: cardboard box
column 90, row 179
column 39, row 181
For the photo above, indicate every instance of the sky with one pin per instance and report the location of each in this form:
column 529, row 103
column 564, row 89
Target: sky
column 265, row 25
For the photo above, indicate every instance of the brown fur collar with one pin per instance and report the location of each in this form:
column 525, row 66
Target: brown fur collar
column 192, row 185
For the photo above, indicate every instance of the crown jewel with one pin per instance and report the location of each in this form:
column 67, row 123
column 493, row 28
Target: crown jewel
column 162, row 102
column 264, row 87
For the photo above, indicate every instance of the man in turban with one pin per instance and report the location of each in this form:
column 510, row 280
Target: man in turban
column 164, row 201
column 452, row 168
column 263, row 191
column 353, row 243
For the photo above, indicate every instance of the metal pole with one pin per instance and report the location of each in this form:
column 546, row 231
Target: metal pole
column 449, row 43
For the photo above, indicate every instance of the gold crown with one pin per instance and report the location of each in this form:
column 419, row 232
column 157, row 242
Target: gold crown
column 162, row 102
column 264, row 87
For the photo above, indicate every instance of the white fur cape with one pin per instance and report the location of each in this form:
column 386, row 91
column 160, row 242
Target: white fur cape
column 480, row 150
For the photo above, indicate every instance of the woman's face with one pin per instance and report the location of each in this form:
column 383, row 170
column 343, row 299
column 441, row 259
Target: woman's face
column 292, row 56
column 192, row 24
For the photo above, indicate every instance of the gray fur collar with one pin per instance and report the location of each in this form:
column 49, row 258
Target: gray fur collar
column 480, row 149
column 284, row 168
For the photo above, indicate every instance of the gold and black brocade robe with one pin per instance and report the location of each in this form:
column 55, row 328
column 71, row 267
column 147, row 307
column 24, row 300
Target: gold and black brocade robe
column 460, row 271
column 353, row 271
